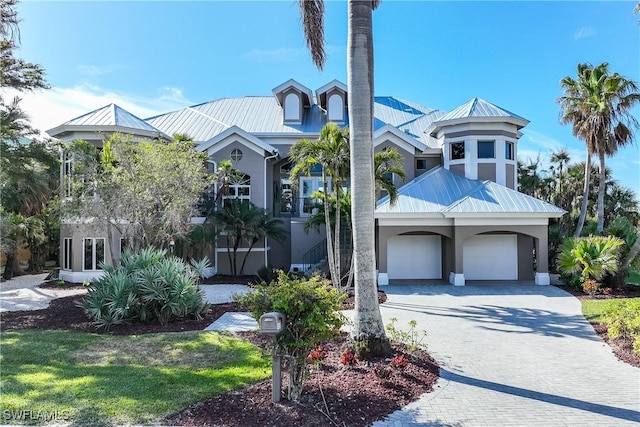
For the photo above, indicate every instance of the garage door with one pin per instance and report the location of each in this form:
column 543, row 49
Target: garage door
column 414, row 257
column 492, row 257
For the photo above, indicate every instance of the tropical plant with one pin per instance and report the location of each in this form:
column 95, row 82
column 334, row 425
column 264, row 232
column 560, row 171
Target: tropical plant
column 331, row 152
column 387, row 163
column 244, row 225
column 147, row 190
column 312, row 316
column 598, row 105
column 591, row 258
column 368, row 327
column 146, row 286
column 626, row 231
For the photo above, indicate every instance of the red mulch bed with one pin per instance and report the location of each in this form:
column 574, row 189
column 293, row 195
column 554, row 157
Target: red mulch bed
column 333, row 394
column 622, row 348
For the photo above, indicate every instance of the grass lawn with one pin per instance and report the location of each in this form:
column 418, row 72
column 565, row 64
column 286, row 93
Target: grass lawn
column 94, row 379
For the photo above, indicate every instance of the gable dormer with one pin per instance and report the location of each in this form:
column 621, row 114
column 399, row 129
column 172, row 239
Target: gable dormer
column 332, row 98
column 293, row 98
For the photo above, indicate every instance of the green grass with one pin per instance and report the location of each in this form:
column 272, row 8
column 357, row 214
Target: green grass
column 93, row 379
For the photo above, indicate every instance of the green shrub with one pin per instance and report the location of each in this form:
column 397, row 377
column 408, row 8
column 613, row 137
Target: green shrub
column 267, row 274
column 312, row 313
column 623, row 320
column 146, row 286
column 411, row 338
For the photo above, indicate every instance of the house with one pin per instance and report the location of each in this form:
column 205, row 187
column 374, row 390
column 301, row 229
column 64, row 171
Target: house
column 459, row 216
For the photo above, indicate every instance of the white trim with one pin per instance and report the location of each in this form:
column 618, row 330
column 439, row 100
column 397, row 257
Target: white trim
column 402, row 140
column 80, row 276
column 215, row 144
column 224, row 249
column 456, row 279
column 94, row 262
column 405, row 220
column 542, row 279
column 502, row 219
column 383, row 279
column 67, row 261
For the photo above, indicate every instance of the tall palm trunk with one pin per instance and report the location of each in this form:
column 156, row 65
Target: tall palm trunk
column 368, row 329
column 331, row 250
column 602, row 187
column 585, row 196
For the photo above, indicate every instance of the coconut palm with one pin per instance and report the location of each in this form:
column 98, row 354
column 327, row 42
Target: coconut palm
column 598, row 105
column 367, row 326
column 331, row 151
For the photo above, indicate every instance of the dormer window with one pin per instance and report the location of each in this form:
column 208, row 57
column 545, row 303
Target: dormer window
column 292, row 108
column 335, row 108
column 332, row 98
column 293, row 98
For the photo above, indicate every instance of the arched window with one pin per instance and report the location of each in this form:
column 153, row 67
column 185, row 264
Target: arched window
column 292, row 107
column 335, row 108
column 236, row 155
column 240, row 189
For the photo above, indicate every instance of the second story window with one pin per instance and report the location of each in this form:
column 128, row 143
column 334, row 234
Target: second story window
column 508, row 151
column 457, row 150
column 240, row 189
column 236, row 155
column 67, row 175
column 486, row 150
column 421, row 164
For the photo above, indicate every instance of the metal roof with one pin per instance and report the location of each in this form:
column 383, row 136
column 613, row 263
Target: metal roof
column 478, row 107
column 111, row 115
column 442, row 191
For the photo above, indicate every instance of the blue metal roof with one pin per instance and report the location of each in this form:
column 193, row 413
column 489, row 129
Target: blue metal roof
column 478, row 107
column 442, row 191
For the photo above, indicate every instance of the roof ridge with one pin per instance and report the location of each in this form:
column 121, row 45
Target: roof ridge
column 466, row 195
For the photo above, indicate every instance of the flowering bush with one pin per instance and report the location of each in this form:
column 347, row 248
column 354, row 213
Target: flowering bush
column 348, row 358
column 317, row 355
column 399, row 362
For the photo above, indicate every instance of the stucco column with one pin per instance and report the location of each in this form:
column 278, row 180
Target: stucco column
column 542, row 259
column 456, row 277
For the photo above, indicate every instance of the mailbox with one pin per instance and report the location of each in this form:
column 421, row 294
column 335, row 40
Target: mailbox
column 272, row 323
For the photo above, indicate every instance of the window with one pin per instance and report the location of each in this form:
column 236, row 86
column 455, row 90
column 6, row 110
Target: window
column 236, row 155
column 67, row 253
column 67, row 175
column 486, row 150
column 508, row 151
column 421, row 164
column 240, row 189
column 336, row 108
column 93, row 253
column 457, row 150
column 292, row 107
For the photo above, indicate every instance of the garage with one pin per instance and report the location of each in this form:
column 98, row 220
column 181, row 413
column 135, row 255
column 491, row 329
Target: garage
column 491, row 257
column 414, row 257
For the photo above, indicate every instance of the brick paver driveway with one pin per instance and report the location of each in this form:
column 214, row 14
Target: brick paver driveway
column 513, row 355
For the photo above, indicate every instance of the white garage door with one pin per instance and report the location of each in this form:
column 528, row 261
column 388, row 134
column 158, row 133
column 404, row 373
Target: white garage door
column 414, row 257
column 492, row 257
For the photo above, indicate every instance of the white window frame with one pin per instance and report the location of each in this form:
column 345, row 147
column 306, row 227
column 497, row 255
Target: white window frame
column 509, row 149
column 67, row 253
column 486, row 141
column 67, row 175
column 95, row 264
column 464, row 151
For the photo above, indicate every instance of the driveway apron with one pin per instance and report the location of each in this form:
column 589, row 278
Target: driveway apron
column 512, row 355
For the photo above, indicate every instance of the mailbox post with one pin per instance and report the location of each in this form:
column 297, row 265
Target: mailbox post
column 272, row 324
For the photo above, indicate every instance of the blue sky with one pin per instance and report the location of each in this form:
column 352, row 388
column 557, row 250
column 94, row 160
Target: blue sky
column 155, row 56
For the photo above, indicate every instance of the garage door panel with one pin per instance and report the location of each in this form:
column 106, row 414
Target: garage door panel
column 414, row 257
column 491, row 257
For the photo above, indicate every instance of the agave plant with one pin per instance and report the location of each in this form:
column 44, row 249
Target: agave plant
column 592, row 258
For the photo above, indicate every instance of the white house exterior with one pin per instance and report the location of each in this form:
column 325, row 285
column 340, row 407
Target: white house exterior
column 460, row 201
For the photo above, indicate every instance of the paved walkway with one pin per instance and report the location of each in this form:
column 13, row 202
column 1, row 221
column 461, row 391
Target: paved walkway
column 512, row 355
column 23, row 293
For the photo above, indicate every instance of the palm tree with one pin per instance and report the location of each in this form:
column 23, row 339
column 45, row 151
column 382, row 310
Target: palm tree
column 245, row 224
column 386, row 163
column 561, row 158
column 598, row 106
column 330, row 151
column 368, row 328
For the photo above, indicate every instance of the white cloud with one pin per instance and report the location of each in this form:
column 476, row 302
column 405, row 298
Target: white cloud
column 584, row 32
column 50, row 108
